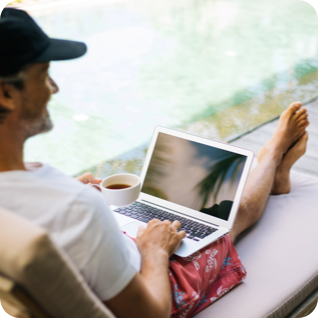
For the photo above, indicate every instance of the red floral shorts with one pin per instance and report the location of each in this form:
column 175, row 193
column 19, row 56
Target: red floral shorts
column 200, row 279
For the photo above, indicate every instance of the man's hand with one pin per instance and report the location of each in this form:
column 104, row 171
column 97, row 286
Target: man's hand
column 88, row 178
column 159, row 237
column 148, row 295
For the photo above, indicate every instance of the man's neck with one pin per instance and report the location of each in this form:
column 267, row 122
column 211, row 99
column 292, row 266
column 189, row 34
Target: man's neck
column 11, row 151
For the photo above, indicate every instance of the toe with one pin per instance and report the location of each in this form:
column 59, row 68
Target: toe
column 302, row 117
column 303, row 143
column 294, row 107
column 302, row 112
column 303, row 123
column 305, row 136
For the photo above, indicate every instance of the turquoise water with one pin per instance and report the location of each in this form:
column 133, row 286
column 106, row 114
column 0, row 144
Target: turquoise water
column 173, row 64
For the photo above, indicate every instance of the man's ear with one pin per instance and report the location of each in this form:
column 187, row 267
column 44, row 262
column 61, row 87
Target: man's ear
column 6, row 96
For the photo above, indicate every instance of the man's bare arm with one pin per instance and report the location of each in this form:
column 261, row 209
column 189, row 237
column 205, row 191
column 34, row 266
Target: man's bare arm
column 149, row 292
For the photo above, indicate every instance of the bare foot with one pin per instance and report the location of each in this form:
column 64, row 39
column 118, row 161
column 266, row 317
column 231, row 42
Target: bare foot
column 282, row 181
column 291, row 126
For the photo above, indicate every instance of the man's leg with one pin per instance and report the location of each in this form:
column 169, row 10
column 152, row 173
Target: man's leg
column 271, row 176
column 282, row 177
column 206, row 275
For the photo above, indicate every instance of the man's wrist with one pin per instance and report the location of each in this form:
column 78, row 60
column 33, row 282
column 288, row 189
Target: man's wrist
column 157, row 256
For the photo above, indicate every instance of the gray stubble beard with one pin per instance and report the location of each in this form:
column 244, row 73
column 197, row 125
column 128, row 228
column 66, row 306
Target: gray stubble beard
column 33, row 128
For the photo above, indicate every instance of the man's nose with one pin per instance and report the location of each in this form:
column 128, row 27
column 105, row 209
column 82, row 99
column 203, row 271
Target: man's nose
column 54, row 86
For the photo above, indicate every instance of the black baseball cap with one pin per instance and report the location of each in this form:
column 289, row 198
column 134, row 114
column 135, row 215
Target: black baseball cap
column 23, row 42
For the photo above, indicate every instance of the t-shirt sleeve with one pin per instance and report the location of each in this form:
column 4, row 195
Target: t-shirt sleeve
column 94, row 242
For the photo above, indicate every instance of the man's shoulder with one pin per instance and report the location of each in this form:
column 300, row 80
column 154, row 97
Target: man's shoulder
column 48, row 191
column 55, row 181
column 68, row 189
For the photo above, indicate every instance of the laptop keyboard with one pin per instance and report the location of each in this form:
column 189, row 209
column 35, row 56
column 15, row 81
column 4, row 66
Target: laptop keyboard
column 145, row 213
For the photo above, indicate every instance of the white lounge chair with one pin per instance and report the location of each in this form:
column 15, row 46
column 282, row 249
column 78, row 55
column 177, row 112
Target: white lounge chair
column 37, row 279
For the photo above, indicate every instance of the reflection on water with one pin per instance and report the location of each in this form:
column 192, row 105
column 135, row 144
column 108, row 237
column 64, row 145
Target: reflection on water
column 130, row 162
column 250, row 113
column 213, row 68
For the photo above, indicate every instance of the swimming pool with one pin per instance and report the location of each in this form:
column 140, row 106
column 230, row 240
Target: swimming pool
column 213, row 68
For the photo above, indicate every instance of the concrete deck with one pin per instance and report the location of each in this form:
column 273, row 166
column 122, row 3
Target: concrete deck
column 308, row 164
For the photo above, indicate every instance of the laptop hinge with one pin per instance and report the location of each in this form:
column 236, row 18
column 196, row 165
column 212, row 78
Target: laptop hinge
column 192, row 217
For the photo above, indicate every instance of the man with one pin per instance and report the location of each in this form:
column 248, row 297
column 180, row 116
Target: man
column 133, row 280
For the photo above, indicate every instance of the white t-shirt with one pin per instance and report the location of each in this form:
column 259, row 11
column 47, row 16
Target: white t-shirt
column 79, row 221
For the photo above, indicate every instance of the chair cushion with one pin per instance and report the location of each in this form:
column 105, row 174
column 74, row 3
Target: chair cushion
column 280, row 255
column 28, row 256
column 13, row 311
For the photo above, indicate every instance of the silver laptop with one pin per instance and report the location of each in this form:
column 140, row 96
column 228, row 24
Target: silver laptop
column 191, row 179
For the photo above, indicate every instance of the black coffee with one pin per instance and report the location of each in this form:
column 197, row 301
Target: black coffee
column 118, row 186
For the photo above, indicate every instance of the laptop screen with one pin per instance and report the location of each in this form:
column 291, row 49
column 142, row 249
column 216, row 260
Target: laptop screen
column 194, row 175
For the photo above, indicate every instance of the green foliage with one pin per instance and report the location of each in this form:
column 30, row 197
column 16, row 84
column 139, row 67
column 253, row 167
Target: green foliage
column 213, row 182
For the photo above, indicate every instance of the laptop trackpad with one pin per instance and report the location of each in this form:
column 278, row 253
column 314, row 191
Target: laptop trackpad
column 132, row 228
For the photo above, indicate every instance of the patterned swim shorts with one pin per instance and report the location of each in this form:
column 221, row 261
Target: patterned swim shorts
column 200, row 279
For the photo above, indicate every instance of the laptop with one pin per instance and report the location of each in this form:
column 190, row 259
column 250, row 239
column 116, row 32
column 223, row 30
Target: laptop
column 195, row 180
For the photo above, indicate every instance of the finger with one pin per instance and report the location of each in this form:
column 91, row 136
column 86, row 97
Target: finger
column 176, row 225
column 81, row 178
column 141, row 230
column 167, row 222
column 154, row 221
column 97, row 188
column 182, row 234
column 91, row 179
column 98, row 180
column 86, row 178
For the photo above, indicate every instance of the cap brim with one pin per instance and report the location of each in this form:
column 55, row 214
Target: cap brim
column 59, row 50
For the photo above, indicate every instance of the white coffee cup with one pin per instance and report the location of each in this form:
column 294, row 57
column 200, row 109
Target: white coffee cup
column 124, row 196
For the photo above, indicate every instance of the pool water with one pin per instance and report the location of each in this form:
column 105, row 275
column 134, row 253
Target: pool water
column 213, row 68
